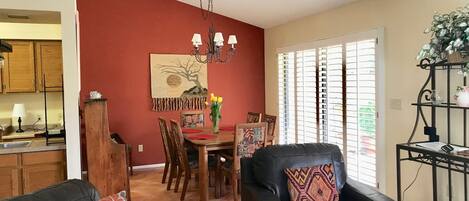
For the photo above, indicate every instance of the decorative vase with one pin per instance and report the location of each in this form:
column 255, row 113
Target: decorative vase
column 216, row 125
column 458, row 57
column 215, row 112
column 462, row 97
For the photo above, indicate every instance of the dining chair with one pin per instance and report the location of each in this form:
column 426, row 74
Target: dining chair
column 271, row 121
column 171, row 164
column 254, row 117
column 188, row 164
column 248, row 138
column 192, row 119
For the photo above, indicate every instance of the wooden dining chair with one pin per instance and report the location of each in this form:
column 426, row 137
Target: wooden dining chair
column 188, row 164
column 253, row 117
column 170, row 162
column 271, row 121
column 192, row 119
column 248, row 138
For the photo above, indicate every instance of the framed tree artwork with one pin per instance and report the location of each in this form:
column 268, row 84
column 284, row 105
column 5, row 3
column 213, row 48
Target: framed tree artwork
column 178, row 82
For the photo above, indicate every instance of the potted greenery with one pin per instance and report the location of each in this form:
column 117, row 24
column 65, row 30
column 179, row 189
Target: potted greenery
column 450, row 38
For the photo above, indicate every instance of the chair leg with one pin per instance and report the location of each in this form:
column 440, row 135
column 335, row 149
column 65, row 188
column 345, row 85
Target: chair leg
column 178, row 180
column 172, row 175
column 234, row 183
column 210, row 178
column 187, row 178
column 165, row 172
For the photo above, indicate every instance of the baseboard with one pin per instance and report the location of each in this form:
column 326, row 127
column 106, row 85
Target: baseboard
column 149, row 166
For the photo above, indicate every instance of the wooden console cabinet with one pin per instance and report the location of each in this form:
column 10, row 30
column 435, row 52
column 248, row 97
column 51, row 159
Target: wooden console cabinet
column 24, row 173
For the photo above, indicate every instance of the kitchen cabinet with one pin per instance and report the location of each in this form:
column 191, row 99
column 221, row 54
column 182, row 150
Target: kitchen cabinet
column 9, row 176
column 24, row 173
column 1, row 79
column 42, row 169
column 49, row 65
column 19, row 74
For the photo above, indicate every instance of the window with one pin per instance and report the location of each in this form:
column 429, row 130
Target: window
column 328, row 94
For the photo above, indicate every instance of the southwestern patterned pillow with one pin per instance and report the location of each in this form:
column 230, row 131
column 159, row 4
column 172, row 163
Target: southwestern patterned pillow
column 121, row 196
column 312, row 183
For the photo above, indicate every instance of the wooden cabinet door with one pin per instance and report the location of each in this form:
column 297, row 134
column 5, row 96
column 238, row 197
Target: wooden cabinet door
column 1, row 78
column 37, row 177
column 49, row 65
column 9, row 183
column 42, row 169
column 19, row 71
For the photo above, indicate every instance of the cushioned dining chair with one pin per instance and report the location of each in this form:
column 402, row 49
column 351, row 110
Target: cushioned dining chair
column 188, row 163
column 192, row 119
column 253, row 117
column 271, row 122
column 170, row 162
column 248, row 138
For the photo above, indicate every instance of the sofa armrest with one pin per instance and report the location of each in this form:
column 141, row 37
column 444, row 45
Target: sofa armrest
column 247, row 177
column 71, row 190
column 252, row 192
column 354, row 190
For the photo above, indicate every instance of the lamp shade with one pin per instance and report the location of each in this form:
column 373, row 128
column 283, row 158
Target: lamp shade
column 196, row 39
column 218, row 39
column 18, row 110
column 232, row 40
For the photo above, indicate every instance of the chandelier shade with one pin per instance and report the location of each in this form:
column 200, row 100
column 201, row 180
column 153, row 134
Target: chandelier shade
column 215, row 42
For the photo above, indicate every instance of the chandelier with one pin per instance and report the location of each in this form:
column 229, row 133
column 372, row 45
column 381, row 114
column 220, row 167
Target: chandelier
column 214, row 42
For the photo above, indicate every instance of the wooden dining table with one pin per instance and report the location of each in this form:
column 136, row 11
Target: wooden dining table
column 222, row 141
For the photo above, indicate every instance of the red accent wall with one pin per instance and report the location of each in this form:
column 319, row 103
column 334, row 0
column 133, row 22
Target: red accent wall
column 116, row 38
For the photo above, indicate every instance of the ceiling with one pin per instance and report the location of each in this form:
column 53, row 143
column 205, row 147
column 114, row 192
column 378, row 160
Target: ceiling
column 269, row 13
column 23, row 16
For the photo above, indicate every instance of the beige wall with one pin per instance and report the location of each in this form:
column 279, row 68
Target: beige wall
column 403, row 22
column 34, row 104
column 30, row 31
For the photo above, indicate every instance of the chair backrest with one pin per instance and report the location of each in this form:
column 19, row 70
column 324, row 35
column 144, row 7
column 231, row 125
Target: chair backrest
column 192, row 119
column 271, row 122
column 167, row 142
column 107, row 161
column 178, row 138
column 254, row 117
column 248, row 138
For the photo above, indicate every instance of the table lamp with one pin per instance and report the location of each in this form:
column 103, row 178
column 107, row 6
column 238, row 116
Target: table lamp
column 19, row 111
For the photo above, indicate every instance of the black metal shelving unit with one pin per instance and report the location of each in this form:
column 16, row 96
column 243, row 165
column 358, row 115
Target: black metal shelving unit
column 436, row 159
column 46, row 134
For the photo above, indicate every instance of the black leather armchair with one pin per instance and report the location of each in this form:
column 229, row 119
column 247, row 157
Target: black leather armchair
column 263, row 179
column 71, row 190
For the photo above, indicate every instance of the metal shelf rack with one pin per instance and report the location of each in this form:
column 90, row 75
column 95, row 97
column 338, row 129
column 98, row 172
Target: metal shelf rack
column 436, row 159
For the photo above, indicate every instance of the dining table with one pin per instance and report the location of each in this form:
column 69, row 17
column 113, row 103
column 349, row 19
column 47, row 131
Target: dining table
column 205, row 141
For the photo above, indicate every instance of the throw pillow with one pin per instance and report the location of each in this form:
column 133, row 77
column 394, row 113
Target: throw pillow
column 121, row 196
column 312, row 183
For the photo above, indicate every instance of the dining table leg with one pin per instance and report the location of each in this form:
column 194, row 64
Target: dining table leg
column 203, row 173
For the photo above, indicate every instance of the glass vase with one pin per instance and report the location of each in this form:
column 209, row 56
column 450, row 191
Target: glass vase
column 215, row 125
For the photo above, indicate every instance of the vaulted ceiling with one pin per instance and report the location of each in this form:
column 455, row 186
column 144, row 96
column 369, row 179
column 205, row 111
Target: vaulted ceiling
column 269, row 13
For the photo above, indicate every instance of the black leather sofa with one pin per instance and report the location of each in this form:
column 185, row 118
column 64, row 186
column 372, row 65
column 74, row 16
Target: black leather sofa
column 71, row 190
column 263, row 179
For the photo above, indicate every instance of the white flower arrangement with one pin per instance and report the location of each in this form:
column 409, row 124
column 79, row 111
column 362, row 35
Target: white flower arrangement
column 450, row 34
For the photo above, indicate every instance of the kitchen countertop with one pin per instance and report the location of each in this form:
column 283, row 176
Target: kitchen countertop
column 37, row 145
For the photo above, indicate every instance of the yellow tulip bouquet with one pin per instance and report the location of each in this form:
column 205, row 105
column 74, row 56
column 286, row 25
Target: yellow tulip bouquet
column 215, row 111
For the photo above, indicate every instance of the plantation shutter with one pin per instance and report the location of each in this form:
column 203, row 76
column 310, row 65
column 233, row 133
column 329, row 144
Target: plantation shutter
column 287, row 116
column 361, row 113
column 328, row 94
column 306, row 96
column 331, row 113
